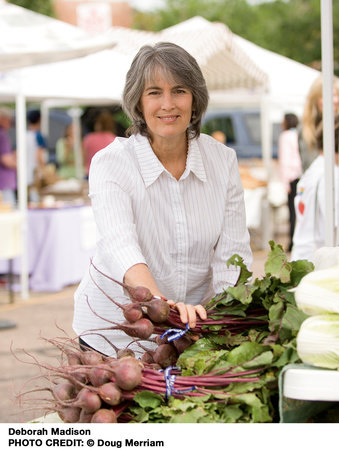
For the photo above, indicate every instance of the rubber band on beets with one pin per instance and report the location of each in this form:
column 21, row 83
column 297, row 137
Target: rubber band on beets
column 176, row 333
column 170, row 380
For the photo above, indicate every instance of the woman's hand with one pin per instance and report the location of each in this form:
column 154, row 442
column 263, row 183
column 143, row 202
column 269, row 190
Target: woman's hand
column 188, row 313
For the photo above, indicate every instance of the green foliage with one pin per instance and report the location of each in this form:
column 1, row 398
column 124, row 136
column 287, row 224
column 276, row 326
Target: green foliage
column 39, row 6
column 252, row 359
column 288, row 27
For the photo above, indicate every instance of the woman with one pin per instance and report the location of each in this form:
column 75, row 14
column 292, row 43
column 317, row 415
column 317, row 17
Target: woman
column 312, row 116
column 289, row 165
column 309, row 232
column 101, row 137
column 168, row 201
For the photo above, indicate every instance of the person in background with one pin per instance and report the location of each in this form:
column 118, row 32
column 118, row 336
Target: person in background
column 102, row 135
column 168, row 201
column 36, row 154
column 7, row 159
column 309, row 234
column 219, row 136
column 289, row 165
column 34, row 126
column 65, row 157
column 312, row 116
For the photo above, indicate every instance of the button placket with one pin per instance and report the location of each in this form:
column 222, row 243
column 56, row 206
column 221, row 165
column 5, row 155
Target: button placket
column 182, row 239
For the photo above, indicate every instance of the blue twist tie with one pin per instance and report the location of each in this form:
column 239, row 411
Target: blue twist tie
column 170, row 380
column 176, row 333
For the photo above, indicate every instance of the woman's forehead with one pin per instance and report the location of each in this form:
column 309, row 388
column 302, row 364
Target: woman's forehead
column 158, row 73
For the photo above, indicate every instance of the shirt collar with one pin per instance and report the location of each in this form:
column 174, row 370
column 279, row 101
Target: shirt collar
column 194, row 162
column 151, row 168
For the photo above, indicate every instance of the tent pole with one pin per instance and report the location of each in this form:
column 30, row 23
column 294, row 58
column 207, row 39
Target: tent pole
column 328, row 117
column 266, row 139
column 22, row 186
column 76, row 114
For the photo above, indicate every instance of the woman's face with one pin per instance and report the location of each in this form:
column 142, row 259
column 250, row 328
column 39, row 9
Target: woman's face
column 167, row 108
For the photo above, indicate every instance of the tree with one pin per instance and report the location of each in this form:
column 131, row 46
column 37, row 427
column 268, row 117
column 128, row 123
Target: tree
column 39, row 6
column 288, row 27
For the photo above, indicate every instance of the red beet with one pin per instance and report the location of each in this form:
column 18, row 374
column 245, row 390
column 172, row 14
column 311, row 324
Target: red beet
column 98, row 376
column 88, row 401
column 104, row 416
column 64, row 391
column 165, row 355
column 157, row 310
column 90, row 357
column 127, row 373
column 69, row 414
column 110, row 393
column 133, row 312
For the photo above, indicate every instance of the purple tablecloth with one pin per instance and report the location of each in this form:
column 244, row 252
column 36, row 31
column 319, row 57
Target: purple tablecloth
column 60, row 244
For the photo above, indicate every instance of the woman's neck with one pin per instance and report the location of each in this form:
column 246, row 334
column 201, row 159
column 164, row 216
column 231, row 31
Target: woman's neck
column 172, row 155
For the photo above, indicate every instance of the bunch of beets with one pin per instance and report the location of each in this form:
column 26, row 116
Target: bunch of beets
column 88, row 386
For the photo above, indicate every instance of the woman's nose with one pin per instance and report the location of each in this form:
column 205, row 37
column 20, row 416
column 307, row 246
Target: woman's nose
column 167, row 101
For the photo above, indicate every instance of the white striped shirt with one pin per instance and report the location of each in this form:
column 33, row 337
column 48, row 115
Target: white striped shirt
column 184, row 230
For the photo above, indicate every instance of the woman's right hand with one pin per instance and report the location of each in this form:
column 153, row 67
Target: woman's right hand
column 188, row 313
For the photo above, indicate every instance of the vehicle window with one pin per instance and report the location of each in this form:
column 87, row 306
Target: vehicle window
column 223, row 124
column 252, row 122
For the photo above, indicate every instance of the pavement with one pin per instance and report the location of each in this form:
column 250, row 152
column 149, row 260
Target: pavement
column 41, row 317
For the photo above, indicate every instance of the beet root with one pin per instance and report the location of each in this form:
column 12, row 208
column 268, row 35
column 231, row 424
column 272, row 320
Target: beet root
column 90, row 357
column 88, row 401
column 133, row 312
column 69, row 414
column 157, row 310
column 98, row 376
column 165, row 355
column 127, row 373
column 141, row 329
column 104, row 415
column 63, row 391
column 182, row 343
column 110, row 393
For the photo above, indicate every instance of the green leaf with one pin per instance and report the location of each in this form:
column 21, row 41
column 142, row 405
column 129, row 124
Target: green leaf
column 300, row 268
column 245, row 352
column 147, row 399
column 277, row 265
column 242, row 293
column 238, row 261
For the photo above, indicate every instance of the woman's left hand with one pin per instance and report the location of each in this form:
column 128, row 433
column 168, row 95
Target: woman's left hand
column 188, row 313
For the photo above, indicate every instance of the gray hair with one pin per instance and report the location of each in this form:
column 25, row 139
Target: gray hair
column 179, row 65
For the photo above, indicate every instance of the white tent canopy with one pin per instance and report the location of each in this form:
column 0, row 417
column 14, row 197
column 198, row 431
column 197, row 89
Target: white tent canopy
column 28, row 38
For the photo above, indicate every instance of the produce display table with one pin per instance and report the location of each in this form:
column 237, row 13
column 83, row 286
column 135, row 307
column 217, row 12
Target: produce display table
column 10, row 247
column 60, row 243
column 305, row 391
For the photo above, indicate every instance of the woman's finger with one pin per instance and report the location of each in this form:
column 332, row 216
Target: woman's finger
column 192, row 316
column 181, row 307
column 201, row 312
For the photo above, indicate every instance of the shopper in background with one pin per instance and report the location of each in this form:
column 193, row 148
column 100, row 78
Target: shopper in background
column 34, row 127
column 312, row 116
column 289, row 165
column 102, row 136
column 7, row 159
column 65, row 158
column 37, row 154
column 309, row 234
